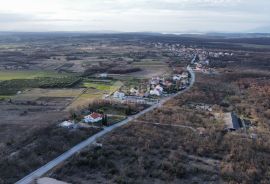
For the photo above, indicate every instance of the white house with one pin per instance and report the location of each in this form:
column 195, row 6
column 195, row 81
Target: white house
column 159, row 88
column 134, row 91
column 155, row 92
column 176, row 78
column 119, row 95
column 103, row 75
column 184, row 75
column 206, row 62
column 93, row 118
column 154, row 82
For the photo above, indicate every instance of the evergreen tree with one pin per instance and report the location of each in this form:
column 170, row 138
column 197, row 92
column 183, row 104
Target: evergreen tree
column 105, row 120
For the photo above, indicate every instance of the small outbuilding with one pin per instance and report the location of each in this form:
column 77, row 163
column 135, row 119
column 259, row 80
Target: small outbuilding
column 232, row 122
column 67, row 124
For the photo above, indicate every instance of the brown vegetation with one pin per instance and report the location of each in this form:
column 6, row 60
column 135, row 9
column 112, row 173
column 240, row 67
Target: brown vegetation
column 20, row 157
column 146, row 152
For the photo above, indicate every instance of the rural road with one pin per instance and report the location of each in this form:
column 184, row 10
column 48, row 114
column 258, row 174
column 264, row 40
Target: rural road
column 44, row 169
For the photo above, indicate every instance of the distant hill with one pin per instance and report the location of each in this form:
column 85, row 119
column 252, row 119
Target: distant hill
column 265, row 29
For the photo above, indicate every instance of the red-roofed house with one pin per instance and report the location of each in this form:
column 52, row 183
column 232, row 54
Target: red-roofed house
column 93, row 118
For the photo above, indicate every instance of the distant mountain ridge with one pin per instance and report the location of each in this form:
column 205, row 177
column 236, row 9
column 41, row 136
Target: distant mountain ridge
column 264, row 29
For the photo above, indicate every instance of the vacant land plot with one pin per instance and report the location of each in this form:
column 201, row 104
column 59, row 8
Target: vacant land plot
column 83, row 100
column 151, row 67
column 34, row 108
column 151, row 70
column 17, row 120
column 148, row 69
column 94, row 91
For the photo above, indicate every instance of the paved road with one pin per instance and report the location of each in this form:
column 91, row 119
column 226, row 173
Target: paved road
column 44, row 169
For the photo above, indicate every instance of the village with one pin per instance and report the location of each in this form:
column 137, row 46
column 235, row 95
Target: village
column 154, row 89
column 202, row 58
column 128, row 100
column 147, row 92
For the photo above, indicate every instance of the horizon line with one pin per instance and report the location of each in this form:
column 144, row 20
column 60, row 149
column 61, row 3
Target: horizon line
column 134, row 32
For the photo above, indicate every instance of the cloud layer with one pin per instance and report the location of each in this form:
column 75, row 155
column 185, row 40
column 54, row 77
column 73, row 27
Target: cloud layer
column 134, row 15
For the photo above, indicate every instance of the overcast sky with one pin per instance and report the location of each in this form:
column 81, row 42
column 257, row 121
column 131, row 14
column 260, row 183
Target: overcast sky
column 135, row 15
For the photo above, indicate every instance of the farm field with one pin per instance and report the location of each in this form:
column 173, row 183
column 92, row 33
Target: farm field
column 98, row 86
column 10, row 75
column 4, row 97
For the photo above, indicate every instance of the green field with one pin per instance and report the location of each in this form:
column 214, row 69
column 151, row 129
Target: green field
column 108, row 87
column 99, row 86
column 3, row 97
column 10, row 75
column 13, row 81
column 10, row 87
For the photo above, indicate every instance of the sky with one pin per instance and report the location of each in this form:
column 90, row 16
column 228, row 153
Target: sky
column 172, row 16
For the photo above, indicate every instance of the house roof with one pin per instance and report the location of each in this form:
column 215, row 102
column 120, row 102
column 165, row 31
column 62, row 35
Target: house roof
column 66, row 123
column 235, row 121
column 232, row 121
column 119, row 93
column 95, row 115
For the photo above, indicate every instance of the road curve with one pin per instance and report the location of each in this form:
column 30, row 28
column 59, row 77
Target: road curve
column 44, row 169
